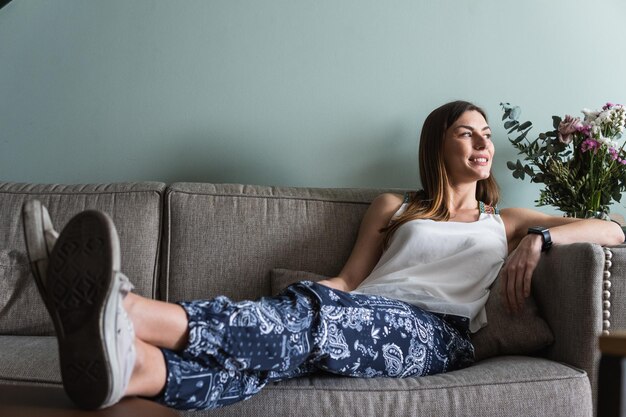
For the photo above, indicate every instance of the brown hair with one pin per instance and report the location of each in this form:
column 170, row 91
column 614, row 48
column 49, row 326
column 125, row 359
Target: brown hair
column 432, row 201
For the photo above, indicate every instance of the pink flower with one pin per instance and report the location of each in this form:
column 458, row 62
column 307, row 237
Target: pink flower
column 613, row 153
column 585, row 129
column 590, row 145
column 568, row 127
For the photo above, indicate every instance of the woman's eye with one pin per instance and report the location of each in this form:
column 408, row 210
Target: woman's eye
column 467, row 134
column 488, row 136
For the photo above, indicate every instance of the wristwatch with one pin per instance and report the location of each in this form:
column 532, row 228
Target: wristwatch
column 545, row 233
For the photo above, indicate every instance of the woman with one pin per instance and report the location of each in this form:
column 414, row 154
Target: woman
column 420, row 270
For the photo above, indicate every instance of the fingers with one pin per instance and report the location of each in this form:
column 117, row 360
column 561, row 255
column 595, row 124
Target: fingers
column 514, row 287
column 528, row 276
column 516, row 279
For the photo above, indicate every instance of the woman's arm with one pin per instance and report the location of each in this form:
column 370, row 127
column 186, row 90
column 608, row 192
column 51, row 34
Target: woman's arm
column 369, row 243
column 525, row 249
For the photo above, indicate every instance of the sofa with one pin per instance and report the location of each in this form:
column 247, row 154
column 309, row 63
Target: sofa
column 198, row 240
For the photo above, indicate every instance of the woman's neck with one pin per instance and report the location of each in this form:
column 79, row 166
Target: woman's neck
column 462, row 199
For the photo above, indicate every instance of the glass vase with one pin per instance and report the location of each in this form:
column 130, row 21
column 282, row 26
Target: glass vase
column 602, row 215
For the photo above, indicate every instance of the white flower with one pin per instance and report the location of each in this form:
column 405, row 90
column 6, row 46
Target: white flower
column 602, row 140
column 590, row 115
column 605, row 115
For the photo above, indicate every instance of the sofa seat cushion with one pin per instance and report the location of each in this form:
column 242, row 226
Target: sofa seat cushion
column 29, row 359
column 505, row 385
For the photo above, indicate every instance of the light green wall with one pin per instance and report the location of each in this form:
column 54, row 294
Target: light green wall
column 284, row 92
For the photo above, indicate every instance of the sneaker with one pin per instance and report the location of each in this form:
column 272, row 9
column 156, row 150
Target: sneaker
column 85, row 293
column 40, row 238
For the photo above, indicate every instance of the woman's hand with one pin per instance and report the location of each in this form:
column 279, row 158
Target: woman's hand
column 336, row 283
column 517, row 272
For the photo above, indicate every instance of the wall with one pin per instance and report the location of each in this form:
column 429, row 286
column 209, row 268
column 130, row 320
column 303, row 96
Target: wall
column 284, row 92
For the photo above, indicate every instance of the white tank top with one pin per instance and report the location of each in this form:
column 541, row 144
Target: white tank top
column 442, row 267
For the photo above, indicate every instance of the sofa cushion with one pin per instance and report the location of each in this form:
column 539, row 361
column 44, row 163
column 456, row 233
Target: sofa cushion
column 223, row 239
column 505, row 334
column 134, row 207
column 509, row 385
column 523, row 386
column 281, row 278
column 29, row 359
column 18, row 295
column 511, row 334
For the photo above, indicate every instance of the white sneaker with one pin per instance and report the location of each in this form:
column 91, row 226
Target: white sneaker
column 40, row 238
column 85, row 297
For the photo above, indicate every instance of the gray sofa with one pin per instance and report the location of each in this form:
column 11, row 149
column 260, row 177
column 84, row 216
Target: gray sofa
column 197, row 240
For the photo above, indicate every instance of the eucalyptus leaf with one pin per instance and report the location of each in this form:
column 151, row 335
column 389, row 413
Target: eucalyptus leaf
column 521, row 137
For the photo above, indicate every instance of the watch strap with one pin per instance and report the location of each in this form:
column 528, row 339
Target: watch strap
column 545, row 234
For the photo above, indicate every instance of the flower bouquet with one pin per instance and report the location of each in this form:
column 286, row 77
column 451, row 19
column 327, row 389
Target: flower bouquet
column 580, row 162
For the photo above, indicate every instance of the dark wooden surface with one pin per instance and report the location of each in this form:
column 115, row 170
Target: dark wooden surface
column 41, row 401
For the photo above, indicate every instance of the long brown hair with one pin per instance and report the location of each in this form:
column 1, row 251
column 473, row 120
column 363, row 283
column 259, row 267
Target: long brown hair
column 432, row 201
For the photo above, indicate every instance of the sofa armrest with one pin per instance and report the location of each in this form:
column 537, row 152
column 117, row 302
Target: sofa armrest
column 579, row 288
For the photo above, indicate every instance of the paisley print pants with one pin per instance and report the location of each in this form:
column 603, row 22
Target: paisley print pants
column 236, row 348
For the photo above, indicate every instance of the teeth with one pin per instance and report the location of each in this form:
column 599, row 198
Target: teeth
column 480, row 159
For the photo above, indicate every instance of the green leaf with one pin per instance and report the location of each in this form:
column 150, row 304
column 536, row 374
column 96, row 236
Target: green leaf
column 529, row 170
column 616, row 194
column 521, row 137
column 525, row 125
column 556, row 121
column 510, row 124
column 515, row 113
column 511, row 165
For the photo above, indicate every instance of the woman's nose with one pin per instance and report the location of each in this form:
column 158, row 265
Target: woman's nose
column 480, row 142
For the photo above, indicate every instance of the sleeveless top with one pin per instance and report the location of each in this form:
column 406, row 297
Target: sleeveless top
column 442, row 267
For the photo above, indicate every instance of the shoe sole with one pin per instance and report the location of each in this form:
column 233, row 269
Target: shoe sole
column 36, row 244
column 83, row 288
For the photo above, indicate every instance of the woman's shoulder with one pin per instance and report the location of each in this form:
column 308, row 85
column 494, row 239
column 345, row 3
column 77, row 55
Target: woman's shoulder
column 388, row 202
column 391, row 198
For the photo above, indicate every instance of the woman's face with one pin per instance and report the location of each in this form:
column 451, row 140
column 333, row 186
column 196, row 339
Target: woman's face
column 467, row 149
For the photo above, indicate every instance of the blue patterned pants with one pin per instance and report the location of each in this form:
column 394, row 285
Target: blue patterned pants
column 236, row 348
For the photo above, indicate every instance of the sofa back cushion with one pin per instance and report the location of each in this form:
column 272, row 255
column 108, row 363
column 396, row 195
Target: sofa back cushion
column 225, row 238
column 134, row 207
